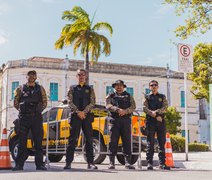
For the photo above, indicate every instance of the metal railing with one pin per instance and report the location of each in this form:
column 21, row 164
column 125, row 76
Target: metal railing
column 103, row 130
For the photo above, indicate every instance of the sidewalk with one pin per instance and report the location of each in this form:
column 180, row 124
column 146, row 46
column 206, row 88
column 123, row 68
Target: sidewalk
column 196, row 160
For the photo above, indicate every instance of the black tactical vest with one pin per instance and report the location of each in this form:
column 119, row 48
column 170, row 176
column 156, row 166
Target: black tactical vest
column 154, row 102
column 81, row 96
column 29, row 98
column 122, row 101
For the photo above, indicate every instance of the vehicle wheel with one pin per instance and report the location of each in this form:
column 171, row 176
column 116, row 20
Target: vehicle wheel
column 55, row 157
column 14, row 148
column 13, row 145
column 98, row 158
column 121, row 160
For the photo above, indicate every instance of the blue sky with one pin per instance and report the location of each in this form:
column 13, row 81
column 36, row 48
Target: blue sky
column 142, row 30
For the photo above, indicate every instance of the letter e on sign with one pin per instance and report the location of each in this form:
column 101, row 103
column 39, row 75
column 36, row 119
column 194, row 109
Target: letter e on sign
column 185, row 58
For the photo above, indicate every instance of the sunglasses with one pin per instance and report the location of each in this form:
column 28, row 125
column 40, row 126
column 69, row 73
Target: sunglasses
column 80, row 74
column 153, row 85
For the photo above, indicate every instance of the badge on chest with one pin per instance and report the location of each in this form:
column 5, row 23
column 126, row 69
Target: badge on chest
column 25, row 94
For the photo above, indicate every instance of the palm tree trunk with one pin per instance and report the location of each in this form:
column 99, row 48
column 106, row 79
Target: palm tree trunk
column 86, row 65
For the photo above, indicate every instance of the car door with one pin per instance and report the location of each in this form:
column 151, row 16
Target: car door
column 53, row 135
column 65, row 126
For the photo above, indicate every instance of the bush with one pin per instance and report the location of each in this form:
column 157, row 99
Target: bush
column 173, row 120
column 178, row 143
column 198, row 147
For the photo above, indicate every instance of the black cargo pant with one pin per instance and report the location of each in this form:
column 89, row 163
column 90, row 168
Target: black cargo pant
column 76, row 124
column 120, row 127
column 33, row 122
column 158, row 128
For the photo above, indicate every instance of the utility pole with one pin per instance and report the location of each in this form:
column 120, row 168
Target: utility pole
column 66, row 74
column 168, row 85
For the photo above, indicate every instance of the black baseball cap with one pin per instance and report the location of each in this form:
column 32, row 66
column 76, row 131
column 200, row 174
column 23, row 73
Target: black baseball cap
column 32, row 72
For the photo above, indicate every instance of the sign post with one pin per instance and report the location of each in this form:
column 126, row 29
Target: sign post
column 185, row 65
column 210, row 101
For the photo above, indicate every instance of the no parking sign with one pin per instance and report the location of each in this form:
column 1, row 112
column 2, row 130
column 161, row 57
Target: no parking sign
column 185, row 65
column 185, row 58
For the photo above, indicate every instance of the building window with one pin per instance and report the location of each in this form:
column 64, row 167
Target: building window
column 202, row 109
column 109, row 89
column 183, row 135
column 130, row 90
column 147, row 91
column 54, row 91
column 14, row 86
column 182, row 99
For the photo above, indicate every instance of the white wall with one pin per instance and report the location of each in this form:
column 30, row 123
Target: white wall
column 99, row 81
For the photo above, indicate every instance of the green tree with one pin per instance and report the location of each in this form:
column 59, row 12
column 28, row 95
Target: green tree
column 199, row 17
column 202, row 75
column 83, row 35
column 172, row 118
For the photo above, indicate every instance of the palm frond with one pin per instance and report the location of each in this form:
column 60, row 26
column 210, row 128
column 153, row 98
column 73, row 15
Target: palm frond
column 77, row 45
column 69, row 16
column 70, row 38
column 59, row 44
column 106, row 45
column 75, row 14
column 103, row 26
column 66, row 29
column 80, row 25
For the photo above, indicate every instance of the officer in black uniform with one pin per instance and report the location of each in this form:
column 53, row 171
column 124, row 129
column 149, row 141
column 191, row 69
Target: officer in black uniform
column 155, row 106
column 81, row 99
column 30, row 100
column 121, row 105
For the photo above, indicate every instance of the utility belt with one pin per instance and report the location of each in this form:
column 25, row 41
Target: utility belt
column 89, row 116
column 116, row 116
column 30, row 107
column 153, row 120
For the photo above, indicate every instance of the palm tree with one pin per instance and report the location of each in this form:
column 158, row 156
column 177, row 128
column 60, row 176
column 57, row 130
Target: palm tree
column 83, row 35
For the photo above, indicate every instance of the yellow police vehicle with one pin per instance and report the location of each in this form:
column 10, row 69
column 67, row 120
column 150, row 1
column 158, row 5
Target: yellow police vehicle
column 59, row 131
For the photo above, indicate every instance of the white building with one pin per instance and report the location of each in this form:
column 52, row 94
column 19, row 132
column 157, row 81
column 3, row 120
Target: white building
column 56, row 75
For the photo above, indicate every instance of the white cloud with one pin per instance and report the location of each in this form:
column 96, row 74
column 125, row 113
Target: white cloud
column 3, row 39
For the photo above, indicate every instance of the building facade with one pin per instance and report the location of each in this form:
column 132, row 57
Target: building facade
column 57, row 75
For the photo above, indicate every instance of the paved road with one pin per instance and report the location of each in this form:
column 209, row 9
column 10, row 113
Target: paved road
column 199, row 167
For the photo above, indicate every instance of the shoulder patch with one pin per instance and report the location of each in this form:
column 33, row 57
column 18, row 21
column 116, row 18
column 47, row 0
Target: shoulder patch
column 160, row 99
column 87, row 91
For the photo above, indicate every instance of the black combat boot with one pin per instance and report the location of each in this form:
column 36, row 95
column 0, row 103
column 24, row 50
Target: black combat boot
column 127, row 162
column 149, row 166
column 67, row 166
column 41, row 168
column 112, row 162
column 164, row 167
column 92, row 166
column 17, row 168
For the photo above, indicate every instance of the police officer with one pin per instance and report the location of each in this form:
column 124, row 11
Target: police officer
column 121, row 105
column 81, row 99
column 155, row 106
column 30, row 100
